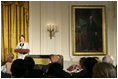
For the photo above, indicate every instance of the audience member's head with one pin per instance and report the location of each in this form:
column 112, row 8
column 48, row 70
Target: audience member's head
column 107, row 59
column 18, row 68
column 81, row 63
column 55, row 58
column 9, row 57
column 89, row 64
column 104, row 70
column 54, row 69
column 29, row 63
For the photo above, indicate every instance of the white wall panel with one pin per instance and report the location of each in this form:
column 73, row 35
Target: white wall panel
column 34, row 27
column 55, row 13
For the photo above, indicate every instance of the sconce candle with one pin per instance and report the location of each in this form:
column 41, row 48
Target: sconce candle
column 50, row 29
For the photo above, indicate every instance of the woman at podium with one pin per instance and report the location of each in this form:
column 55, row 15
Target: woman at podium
column 22, row 45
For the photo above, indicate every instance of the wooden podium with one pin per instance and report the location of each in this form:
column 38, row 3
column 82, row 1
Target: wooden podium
column 22, row 51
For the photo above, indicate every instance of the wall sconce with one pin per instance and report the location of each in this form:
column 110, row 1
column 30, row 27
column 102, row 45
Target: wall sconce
column 51, row 28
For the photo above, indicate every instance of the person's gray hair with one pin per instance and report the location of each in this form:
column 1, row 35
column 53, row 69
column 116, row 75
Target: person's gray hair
column 107, row 59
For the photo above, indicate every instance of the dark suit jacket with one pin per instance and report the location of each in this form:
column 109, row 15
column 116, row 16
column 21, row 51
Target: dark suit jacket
column 80, row 74
column 45, row 68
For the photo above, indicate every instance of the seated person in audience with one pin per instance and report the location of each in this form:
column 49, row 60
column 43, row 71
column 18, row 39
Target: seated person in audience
column 52, row 59
column 55, row 70
column 30, row 71
column 3, row 72
column 104, row 70
column 58, row 59
column 107, row 59
column 89, row 64
column 5, row 75
column 81, row 72
column 55, row 58
column 18, row 68
column 9, row 59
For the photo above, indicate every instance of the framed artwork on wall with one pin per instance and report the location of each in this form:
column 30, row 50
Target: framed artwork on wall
column 89, row 30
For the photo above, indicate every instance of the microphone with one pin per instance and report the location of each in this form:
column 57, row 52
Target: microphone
column 21, row 44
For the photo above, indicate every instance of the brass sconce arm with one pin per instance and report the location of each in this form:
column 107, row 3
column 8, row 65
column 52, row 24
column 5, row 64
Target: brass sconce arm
column 50, row 29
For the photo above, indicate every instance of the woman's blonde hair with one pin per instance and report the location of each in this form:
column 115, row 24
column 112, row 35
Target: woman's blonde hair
column 9, row 57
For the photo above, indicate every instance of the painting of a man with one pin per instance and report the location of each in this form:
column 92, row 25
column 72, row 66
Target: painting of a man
column 88, row 29
column 92, row 34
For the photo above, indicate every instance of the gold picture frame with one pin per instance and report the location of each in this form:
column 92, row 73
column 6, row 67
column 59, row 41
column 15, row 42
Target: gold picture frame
column 89, row 32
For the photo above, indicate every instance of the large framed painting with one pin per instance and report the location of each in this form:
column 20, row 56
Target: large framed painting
column 89, row 33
